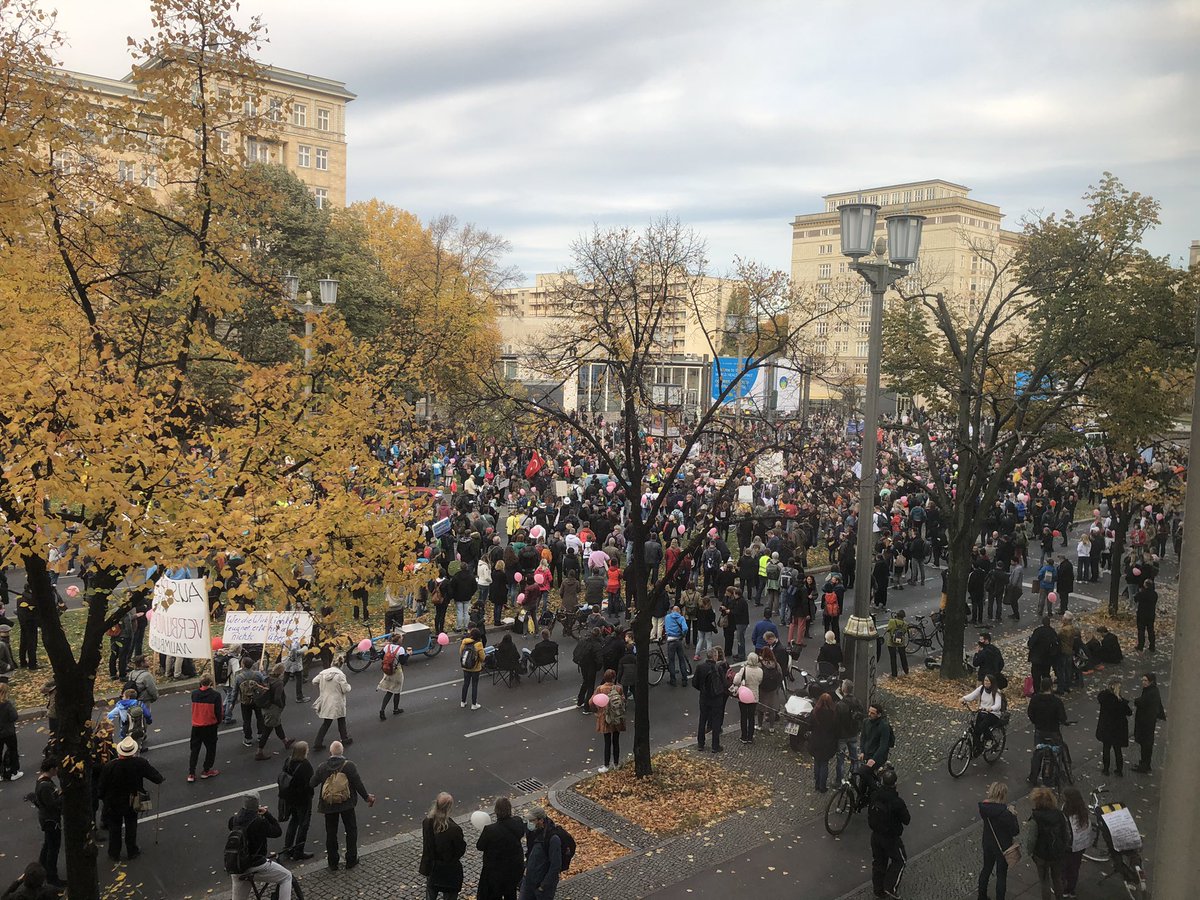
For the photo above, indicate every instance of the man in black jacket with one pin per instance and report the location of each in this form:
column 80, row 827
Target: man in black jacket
column 587, row 656
column 503, row 855
column 121, row 779
column 1064, row 583
column 1048, row 715
column 887, row 816
column 988, row 660
column 48, row 800
column 977, row 581
column 259, row 826
column 1043, row 647
column 709, row 679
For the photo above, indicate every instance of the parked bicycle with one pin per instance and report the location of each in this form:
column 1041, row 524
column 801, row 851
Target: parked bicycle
column 925, row 631
column 658, row 664
column 1054, row 769
column 967, row 748
column 1123, row 850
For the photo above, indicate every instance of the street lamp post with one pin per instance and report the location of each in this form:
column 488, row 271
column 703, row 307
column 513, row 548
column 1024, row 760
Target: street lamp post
column 328, row 288
column 902, row 243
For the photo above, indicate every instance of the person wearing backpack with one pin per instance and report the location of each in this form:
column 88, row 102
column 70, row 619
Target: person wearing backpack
column 610, row 719
column 246, row 850
column 271, row 702
column 1047, row 841
column 295, row 800
column 544, row 865
column 141, row 679
column 887, row 816
column 395, row 658
column 121, row 780
column 897, row 641
column 471, row 653
column 332, row 688
column 248, row 683
column 832, row 594
column 442, row 850
column 851, row 715
column 339, row 786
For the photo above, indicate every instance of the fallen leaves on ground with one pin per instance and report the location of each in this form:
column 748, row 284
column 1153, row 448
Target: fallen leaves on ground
column 684, row 792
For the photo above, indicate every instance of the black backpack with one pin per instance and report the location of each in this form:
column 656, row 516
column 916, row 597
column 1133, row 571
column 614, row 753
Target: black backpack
column 568, row 846
column 879, row 818
column 220, row 669
column 1053, row 842
column 237, row 851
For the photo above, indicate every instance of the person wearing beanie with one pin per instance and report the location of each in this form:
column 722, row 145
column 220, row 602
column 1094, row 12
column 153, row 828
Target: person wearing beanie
column 259, row 826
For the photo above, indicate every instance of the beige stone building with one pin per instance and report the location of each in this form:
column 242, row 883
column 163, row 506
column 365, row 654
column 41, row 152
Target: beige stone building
column 304, row 128
column 956, row 227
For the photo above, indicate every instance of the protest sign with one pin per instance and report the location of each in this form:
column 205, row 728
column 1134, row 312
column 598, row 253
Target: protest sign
column 179, row 626
column 267, row 627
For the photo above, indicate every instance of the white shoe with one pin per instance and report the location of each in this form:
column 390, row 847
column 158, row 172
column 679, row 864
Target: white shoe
column 476, row 706
column 17, row 775
column 463, row 705
column 602, row 769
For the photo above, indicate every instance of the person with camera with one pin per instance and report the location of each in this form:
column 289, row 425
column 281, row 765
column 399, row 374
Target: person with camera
column 246, row 856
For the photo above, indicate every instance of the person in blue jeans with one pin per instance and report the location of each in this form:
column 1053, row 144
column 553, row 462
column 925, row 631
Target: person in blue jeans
column 675, row 630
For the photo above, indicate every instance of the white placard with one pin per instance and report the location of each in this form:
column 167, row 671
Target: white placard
column 770, row 466
column 267, row 627
column 179, row 626
column 745, row 493
column 1123, row 829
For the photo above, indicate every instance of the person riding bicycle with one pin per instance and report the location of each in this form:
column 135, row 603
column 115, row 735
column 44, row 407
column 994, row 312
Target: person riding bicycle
column 877, row 741
column 991, row 708
column 246, row 857
column 1048, row 715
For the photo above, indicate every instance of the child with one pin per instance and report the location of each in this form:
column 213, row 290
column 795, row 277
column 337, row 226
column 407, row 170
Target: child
column 130, row 716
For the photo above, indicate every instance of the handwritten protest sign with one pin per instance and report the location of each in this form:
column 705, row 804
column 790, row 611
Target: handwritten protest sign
column 179, row 626
column 267, row 627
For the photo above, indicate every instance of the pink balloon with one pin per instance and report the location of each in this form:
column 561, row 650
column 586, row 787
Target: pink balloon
column 712, row 532
column 73, row 589
column 1158, row 518
column 217, row 644
column 931, row 485
column 364, row 646
column 600, row 701
column 745, row 695
column 443, row 639
column 682, row 530
column 520, row 598
column 149, row 614
column 518, row 577
column 1137, row 571
column 679, row 504
column 1052, row 597
column 611, row 486
column 539, row 578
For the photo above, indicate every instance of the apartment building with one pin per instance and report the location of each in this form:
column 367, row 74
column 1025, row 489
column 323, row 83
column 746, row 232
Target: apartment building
column 956, row 226
column 304, row 119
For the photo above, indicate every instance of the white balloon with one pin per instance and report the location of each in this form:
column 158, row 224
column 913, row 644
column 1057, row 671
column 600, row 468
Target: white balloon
column 480, row 819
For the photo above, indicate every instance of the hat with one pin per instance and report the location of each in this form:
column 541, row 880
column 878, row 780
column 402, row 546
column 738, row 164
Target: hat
column 251, row 800
column 127, row 747
column 5, row 629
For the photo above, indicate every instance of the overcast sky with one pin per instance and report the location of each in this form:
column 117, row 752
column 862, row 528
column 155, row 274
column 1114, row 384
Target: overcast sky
column 536, row 119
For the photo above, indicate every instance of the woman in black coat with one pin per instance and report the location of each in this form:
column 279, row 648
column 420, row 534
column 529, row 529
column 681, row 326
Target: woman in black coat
column 1146, row 600
column 822, row 740
column 1146, row 718
column 442, row 850
column 1112, row 727
column 503, row 855
column 295, row 800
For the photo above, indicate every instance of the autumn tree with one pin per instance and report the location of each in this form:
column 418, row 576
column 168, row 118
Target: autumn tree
column 1003, row 380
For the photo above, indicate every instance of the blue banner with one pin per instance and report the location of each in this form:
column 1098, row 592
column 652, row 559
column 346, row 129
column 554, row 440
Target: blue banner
column 725, row 372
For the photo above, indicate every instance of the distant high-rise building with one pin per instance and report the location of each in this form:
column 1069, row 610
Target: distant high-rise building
column 1194, row 255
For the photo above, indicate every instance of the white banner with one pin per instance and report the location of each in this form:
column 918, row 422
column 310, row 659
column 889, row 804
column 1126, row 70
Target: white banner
column 267, row 627
column 179, row 626
column 770, row 466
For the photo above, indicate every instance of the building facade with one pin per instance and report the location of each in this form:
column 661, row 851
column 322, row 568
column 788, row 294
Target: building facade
column 304, row 118
column 956, row 227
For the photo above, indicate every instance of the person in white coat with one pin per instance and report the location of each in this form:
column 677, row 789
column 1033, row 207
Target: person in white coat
column 483, row 577
column 331, row 703
column 991, row 707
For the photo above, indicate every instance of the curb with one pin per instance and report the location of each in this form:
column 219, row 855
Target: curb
column 171, row 687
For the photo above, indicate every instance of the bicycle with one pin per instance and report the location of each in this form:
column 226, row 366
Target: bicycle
column 849, row 798
column 925, row 631
column 1055, row 767
column 360, row 660
column 1127, row 863
column 658, row 665
column 966, row 748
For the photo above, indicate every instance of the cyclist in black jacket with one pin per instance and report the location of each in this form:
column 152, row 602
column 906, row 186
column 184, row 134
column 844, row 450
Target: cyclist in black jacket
column 1048, row 715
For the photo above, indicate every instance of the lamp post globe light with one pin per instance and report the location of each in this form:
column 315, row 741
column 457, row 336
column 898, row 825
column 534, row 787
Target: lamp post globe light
column 893, row 256
column 328, row 288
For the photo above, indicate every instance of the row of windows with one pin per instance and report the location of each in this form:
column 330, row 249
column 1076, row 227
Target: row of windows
column 127, row 173
column 305, row 157
column 895, row 198
column 299, row 112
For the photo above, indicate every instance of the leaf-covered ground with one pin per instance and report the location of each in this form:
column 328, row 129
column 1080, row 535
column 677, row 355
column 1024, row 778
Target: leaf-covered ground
column 684, row 792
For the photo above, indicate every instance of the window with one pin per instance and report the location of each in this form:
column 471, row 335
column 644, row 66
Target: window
column 825, row 270
column 843, row 346
column 125, row 172
column 150, row 176
column 322, row 196
column 860, row 368
column 303, row 156
column 322, row 158
column 258, row 151
column 841, row 268
column 225, row 99
column 841, row 327
column 224, row 138
column 250, row 108
column 823, row 290
column 322, row 119
column 864, row 308
column 822, row 329
column 864, row 328
column 823, row 308
column 275, row 112
column 860, row 348
column 820, row 347
column 508, row 369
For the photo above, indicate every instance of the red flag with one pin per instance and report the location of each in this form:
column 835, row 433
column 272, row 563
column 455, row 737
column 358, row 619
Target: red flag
column 534, row 465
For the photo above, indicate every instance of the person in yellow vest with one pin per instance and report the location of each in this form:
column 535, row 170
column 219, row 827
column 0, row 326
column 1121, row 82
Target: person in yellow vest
column 761, row 584
column 512, row 523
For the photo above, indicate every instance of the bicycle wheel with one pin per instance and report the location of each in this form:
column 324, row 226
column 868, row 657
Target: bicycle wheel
column 1098, row 851
column 916, row 638
column 838, row 810
column 938, row 637
column 658, row 665
column 960, row 757
column 1065, row 768
column 994, row 745
column 357, row 660
column 433, row 649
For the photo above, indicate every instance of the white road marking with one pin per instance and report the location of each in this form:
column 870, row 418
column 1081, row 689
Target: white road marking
column 211, row 802
column 430, row 687
column 553, row 712
column 188, row 739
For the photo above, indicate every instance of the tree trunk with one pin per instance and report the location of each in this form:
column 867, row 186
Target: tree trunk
column 1121, row 516
column 635, row 535
column 958, row 559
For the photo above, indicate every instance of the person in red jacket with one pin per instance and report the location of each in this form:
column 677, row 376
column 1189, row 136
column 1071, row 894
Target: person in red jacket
column 207, row 713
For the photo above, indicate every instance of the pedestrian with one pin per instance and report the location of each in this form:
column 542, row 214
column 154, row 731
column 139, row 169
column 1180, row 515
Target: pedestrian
column 610, row 718
column 1043, row 645
column 709, row 680
column 750, row 677
column 503, row 855
column 8, row 662
column 471, row 653
column 47, row 797
column 1076, row 812
column 1149, row 711
column 141, row 679
column 293, row 667
column 544, row 863
column 271, row 705
column 206, row 718
column 770, row 691
column 248, row 683
column 257, row 826
column 10, row 758
column 28, row 621
column 1065, row 581
column 830, row 656
column 332, row 688
column 675, row 629
column 121, row 781
column 822, row 740
column 706, row 627
column 897, row 641
column 31, row 885
column 1047, row 841
column 1146, row 601
column 850, row 719
column 296, row 797
column 338, row 787
column 442, row 850
column 887, row 816
column 999, row 834
column 832, row 595
column 224, row 670
column 395, row 658
column 587, row 656
column 1112, row 725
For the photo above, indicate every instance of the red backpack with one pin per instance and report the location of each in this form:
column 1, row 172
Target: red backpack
column 831, row 604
